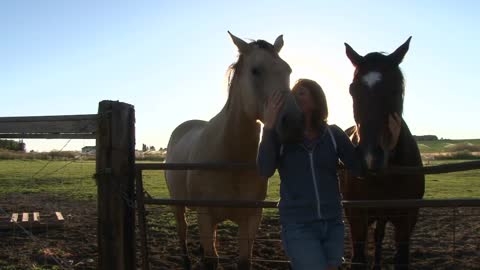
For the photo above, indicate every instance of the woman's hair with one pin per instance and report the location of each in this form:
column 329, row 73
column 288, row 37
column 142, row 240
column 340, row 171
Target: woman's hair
column 320, row 113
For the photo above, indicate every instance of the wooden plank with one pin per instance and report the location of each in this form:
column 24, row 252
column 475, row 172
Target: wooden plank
column 48, row 118
column 48, row 221
column 430, row 203
column 197, row 166
column 48, row 135
column 49, row 124
column 437, row 169
column 59, row 216
column 36, row 216
column 14, row 218
column 412, row 203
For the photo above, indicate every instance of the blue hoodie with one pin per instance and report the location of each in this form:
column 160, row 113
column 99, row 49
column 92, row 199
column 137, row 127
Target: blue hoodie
column 308, row 173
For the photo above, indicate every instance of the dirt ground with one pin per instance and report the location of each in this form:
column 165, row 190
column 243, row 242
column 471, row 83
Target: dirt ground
column 440, row 241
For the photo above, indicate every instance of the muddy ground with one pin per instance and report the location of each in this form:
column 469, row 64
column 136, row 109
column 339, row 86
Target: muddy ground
column 440, row 241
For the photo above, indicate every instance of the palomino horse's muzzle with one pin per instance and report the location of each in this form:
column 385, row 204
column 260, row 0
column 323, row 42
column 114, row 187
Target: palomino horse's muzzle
column 290, row 128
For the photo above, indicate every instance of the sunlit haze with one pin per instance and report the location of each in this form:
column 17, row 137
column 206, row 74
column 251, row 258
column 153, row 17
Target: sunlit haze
column 169, row 58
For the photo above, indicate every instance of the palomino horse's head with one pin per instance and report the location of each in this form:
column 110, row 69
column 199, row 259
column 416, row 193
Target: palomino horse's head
column 259, row 72
column 377, row 91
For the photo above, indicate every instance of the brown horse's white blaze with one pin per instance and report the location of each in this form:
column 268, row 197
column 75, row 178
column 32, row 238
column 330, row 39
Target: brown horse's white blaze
column 232, row 136
column 377, row 92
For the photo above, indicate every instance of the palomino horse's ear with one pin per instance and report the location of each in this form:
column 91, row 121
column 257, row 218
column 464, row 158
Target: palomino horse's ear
column 398, row 55
column 278, row 43
column 354, row 57
column 241, row 45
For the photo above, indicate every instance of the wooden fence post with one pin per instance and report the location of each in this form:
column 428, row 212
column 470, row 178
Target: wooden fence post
column 115, row 181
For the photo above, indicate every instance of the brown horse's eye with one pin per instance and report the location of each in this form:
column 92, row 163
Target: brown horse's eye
column 255, row 71
column 353, row 89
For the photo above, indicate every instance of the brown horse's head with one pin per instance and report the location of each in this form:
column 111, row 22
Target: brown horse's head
column 259, row 72
column 377, row 91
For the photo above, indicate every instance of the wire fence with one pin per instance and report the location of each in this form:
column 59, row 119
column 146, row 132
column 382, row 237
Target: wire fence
column 446, row 235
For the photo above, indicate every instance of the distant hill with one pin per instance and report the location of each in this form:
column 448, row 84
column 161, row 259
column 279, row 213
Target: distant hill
column 439, row 146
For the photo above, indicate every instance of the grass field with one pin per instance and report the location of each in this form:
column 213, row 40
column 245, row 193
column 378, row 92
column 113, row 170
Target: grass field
column 74, row 179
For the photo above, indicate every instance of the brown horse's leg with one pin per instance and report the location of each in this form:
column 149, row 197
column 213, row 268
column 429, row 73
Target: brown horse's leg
column 247, row 229
column 182, row 234
column 358, row 221
column 379, row 235
column 404, row 224
column 207, row 231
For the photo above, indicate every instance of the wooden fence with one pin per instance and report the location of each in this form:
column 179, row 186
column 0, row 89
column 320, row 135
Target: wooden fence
column 113, row 129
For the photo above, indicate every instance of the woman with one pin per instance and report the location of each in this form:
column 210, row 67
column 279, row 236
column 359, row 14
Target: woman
column 310, row 201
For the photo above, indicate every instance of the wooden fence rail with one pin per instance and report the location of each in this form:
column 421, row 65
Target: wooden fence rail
column 423, row 203
column 437, row 169
column 49, row 127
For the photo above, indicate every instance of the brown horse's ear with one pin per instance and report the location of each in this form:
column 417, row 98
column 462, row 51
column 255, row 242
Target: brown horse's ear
column 278, row 43
column 354, row 57
column 241, row 45
column 398, row 55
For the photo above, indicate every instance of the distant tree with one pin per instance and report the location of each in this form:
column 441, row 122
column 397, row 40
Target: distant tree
column 152, row 148
column 12, row 145
column 425, row 137
column 144, row 148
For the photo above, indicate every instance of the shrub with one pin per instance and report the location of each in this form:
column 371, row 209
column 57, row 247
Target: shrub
column 464, row 147
column 465, row 154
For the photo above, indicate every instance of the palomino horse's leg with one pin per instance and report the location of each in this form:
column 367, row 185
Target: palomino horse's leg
column 379, row 235
column 404, row 225
column 358, row 220
column 247, row 229
column 182, row 234
column 207, row 232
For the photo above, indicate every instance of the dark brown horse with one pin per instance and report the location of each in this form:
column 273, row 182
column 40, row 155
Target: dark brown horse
column 377, row 91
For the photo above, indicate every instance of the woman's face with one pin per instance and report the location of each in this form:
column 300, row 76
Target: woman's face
column 305, row 100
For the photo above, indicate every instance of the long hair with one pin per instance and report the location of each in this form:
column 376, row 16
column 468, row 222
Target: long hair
column 320, row 113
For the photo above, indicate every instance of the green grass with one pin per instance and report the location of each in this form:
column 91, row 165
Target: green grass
column 453, row 185
column 72, row 179
column 75, row 180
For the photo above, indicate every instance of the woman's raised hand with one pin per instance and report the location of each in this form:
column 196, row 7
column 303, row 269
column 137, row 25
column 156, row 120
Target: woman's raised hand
column 272, row 107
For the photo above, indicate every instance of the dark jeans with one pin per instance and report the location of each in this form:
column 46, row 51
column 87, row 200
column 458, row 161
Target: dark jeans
column 314, row 245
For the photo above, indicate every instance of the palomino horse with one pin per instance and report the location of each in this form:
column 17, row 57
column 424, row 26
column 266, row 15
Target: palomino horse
column 232, row 136
column 377, row 91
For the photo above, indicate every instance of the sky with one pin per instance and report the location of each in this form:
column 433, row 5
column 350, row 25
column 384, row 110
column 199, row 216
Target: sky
column 169, row 58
